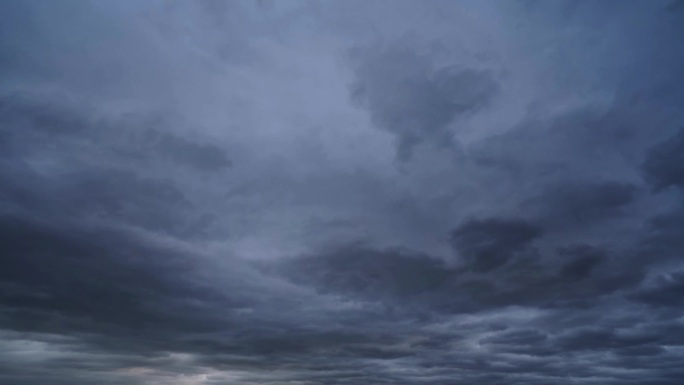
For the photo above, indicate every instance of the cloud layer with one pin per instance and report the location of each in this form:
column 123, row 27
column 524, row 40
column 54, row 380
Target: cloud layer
column 341, row 192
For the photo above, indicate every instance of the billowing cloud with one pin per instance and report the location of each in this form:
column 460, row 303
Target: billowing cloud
column 490, row 243
column 341, row 192
column 663, row 164
column 410, row 97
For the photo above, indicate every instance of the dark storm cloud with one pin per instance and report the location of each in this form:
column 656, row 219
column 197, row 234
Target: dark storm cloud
column 575, row 203
column 596, row 338
column 489, row 243
column 207, row 193
column 113, row 294
column 62, row 280
column 667, row 290
column 201, row 156
column 30, row 115
column 562, row 148
column 662, row 242
column 583, row 260
column 411, row 97
column 517, row 338
column 372, row 272
column 31, row 124
column 110, row 194
column 664, row 165
column 415, row 284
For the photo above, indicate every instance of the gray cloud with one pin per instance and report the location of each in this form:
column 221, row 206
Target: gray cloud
column 576, row 203
column 208, row 193
column 583, row 260
column 665, row 291
column 409, row 97
column 488, row 244
column 366, row 271
column 663, row 165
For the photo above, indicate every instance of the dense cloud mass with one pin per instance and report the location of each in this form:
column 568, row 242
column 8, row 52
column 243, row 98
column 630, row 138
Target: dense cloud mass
column 341, row 192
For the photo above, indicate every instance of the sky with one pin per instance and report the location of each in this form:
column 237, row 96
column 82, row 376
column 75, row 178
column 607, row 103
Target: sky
column 341, row 192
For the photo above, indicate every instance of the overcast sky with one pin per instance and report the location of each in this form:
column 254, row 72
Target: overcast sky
column 341, row 192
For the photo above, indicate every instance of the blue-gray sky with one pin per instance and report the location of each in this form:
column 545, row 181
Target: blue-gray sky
column 341, row 192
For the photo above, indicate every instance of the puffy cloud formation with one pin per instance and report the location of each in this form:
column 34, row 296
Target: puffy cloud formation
column 341, row 192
